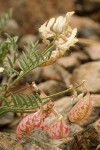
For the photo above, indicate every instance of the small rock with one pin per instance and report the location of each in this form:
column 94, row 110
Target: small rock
column 39, row 141
column 27, row 39
column 12, row 28
column 97, row 125
column 68, row 144
column 68, row 62
column 19, row 147
column 88, row 32
column 87, row 139
column 80, row 22
column 98, row 148
column 89, row 72
column 15, row 122
column 81, row 56
column 51, row 73
column 2, row 148
column 88, row 6
column 74, row 128
column 62, row 105
column 51, row 87
column 6, row 118
column 65, row 75
column 95, row 99
column 34, row 75
column 93, row 51
column 30, row 20
column 7, row 141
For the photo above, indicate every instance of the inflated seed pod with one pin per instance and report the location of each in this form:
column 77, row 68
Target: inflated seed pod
column 81, row 110
column 45, row 126
column 58, row 130
column 28, row 124
column 33, row 121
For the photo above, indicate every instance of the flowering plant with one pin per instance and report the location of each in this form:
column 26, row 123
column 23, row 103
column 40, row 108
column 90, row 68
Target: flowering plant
column 37, row 106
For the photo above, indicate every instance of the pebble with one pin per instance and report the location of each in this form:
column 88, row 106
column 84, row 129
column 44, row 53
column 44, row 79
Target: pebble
column 12, row 28
column 91, row 73
column 6, row 118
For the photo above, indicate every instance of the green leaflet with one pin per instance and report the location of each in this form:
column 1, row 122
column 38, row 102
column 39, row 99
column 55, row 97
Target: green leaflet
column 19, row 103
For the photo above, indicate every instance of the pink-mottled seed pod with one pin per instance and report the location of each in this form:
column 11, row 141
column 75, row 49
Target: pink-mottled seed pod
column 81, row 110
column 58, row 130
column 28, row 124
column 45, row 127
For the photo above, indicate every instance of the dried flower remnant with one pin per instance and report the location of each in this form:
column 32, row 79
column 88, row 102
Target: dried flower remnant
column 81, row 110
column 28, row 124
column 47, row 108
column 58, row 130
column 63, row 36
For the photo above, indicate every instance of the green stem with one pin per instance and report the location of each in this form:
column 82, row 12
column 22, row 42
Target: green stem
column 65, row 91
column 45, row 102
column 21, row 76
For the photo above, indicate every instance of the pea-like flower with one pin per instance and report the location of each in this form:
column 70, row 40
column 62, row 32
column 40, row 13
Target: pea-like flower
column 64, row 42
column 81, row 110
column 63, row 36
column 54, row 26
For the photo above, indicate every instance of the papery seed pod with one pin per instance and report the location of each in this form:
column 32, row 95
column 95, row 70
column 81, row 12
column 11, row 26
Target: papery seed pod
column 81, row 110
column 58, row 130
column 28, row 124
column 45, row 127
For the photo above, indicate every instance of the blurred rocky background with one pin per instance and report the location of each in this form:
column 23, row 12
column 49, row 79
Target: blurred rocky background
column 82, row 62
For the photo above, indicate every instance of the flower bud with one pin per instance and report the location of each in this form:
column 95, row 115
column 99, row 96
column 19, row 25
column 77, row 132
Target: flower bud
column 58, row 130
column 28, row 124
column 81, row 110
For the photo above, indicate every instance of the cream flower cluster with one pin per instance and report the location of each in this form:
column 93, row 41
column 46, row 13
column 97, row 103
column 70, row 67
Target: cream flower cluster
column 60, row 29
